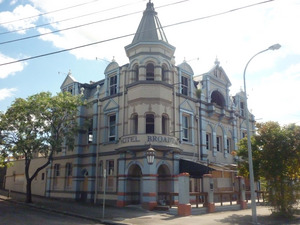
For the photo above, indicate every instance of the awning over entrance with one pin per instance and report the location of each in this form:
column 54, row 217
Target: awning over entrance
column 195, row 169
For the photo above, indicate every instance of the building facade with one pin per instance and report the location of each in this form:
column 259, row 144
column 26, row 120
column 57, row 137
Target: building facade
column 191, row 122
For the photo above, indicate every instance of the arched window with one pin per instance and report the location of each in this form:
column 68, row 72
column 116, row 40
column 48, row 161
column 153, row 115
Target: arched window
column 149, row 124
column 136, row 73
column 217, row 98
column 134, row 124
column 164, row 124
column 164, row 73
column 150, row 72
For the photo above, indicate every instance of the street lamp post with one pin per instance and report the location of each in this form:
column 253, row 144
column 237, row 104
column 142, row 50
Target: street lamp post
column 252, row 188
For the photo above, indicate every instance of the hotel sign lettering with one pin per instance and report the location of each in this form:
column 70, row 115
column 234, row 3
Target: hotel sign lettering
column 149, row 139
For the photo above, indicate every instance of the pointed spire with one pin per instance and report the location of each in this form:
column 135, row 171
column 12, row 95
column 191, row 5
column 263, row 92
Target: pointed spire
column 150, row 28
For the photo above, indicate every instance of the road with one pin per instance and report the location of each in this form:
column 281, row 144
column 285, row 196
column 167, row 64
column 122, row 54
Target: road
column 16, row 214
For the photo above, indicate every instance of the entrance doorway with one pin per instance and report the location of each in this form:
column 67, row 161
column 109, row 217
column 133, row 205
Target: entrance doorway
column 134, row 189
column 164, row 184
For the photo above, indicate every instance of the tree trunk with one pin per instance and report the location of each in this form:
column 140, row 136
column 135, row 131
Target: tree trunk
column 28, row 191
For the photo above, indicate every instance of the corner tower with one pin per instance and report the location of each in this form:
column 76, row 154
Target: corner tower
column 150, row 41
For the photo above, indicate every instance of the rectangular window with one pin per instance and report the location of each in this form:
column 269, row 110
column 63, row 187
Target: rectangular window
column 113, row 85
column 228, row 145
column 184, row 85
column 43, row 176
column 112, row 128
column 56, row 170
column 219, row 144
column 208, row 141
column 185, row 128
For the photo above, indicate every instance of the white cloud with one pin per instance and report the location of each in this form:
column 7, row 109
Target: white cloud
column 275, row 97
column 234, row 38
column 11, row 69
column 6, row 93
column 17, row 15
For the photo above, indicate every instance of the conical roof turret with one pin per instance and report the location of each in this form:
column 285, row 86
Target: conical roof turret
column 149, row 28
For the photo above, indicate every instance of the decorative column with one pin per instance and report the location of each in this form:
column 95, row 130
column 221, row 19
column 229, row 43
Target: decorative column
column 184, row 206
column 208, row 186
column 240, row 187
column 149, row 185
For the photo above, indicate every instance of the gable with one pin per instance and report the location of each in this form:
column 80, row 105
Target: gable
column 186, row 106
column 111, row 105
column 219, row 74
column 69, row 80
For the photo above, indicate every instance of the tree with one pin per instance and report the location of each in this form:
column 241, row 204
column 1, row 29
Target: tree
column 276, row 158
column 38, row 126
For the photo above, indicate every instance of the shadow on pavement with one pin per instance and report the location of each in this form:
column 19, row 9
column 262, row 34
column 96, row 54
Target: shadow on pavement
column 262, row 220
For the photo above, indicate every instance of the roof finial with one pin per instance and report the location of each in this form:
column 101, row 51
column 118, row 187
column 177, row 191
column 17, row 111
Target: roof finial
column 217, row 62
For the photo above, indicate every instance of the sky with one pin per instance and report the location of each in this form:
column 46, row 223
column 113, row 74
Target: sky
column 232, row 31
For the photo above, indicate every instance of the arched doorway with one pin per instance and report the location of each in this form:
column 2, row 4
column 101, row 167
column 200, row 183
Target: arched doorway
column 164, row 184
column 134, row 184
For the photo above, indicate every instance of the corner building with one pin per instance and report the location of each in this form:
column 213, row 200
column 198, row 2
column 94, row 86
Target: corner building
column 191, row 122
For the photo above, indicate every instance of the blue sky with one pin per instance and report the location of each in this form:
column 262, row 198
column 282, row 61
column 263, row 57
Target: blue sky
column 273, row 78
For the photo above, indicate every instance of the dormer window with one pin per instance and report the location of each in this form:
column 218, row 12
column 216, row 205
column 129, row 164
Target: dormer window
column 150, row 72
column 184, row 85
column 113, row 85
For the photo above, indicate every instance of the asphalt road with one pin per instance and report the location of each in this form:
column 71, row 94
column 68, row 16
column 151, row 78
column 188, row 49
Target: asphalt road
column 16, row 214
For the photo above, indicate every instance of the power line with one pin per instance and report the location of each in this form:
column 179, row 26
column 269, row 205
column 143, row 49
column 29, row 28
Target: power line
column 128, row 35
column 82, row 25
column 68, row 19
column 46, row 13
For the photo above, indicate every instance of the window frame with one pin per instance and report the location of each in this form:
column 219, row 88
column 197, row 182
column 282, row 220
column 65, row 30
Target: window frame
column 229, row 144
column 184, row 87
column 113, row 84
column 219, row 143
column 208, row 141
column 112, row 136
column 150, row 125
column 134, row 123
column 164, row 124
column 149, row 73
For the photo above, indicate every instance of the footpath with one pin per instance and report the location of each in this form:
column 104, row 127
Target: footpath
column 131, row 215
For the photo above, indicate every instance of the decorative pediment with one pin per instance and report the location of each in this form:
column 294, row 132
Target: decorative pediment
column 111, row 105
column 68, row 80
column 111, row 67
column 186, row 105
column 186, row 67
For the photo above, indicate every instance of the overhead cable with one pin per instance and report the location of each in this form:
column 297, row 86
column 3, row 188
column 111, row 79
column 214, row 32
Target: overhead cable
column 81, row 25
column 127, row 35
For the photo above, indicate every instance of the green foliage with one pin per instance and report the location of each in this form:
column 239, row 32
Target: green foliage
column 243, row 165
column 276, row 158
column 38, row 126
